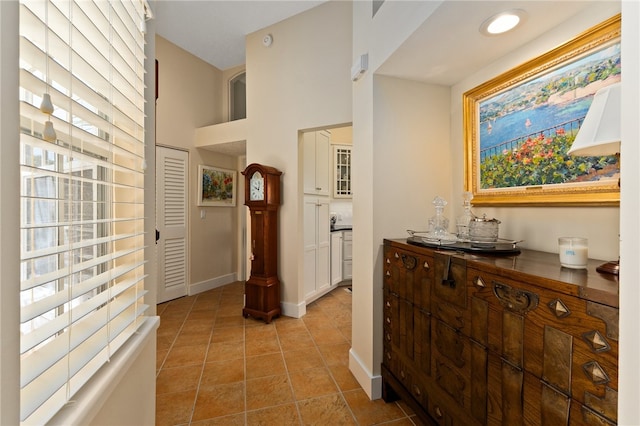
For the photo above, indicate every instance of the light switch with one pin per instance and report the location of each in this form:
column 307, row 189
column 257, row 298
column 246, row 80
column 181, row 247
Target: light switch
column 203, row 213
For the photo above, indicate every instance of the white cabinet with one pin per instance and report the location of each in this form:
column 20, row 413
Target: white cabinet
column 317, row 247
column 347, row 259
column 342, row 171
column 336, row 257
column 315, row 152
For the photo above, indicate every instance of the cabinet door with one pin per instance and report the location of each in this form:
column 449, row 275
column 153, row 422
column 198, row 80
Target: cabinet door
column 322, row 162
column 317, row 245
column 323, row 272
column 336, row 257
column 342, row 171
column 347, row 249
column 315, row 151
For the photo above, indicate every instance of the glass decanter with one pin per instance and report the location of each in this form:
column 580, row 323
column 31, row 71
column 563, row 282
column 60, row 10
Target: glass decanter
column 462, row 222
column 439, row 224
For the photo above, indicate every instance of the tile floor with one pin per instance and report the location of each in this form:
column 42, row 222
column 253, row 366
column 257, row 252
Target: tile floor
column 216, row 368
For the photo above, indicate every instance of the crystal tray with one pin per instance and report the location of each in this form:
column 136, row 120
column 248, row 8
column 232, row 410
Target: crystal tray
column 500, row 246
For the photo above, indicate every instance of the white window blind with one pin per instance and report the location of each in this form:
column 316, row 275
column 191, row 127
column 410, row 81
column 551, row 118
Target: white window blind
column 82, row 193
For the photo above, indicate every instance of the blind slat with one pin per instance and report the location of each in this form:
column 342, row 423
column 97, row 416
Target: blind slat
column 46, row 384
column 82, row 196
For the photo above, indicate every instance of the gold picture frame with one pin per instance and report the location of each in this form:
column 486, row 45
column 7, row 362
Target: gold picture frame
column 508, row 160
column 216, row 186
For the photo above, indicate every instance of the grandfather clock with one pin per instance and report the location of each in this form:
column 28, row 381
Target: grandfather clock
column 262, row 196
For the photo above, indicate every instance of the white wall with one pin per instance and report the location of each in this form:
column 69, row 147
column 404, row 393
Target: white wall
column 9, row 216
column 629, row 350
column 301, row 82
column 373, row 214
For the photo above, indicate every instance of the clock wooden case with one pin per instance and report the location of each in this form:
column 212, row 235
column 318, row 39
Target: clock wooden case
column 262, row 196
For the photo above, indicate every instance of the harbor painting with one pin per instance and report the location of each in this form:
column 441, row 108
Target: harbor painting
column 520, row 125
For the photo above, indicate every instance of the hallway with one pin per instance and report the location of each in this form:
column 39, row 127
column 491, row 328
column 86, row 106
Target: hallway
column 216, row 368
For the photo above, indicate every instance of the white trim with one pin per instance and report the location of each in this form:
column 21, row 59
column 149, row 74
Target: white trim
column 371, row 384
column 89, row 400
column 212, row 283
column 294, row 310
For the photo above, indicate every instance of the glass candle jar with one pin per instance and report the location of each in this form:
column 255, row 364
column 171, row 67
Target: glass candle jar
column 573, row 252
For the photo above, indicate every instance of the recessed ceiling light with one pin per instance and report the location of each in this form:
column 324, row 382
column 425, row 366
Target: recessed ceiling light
column 502, row 22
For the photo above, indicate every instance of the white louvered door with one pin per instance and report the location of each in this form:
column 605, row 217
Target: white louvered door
column 172, row 222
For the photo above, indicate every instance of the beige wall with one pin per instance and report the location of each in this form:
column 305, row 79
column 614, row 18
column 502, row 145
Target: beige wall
column 190, row 96
column 300, row 82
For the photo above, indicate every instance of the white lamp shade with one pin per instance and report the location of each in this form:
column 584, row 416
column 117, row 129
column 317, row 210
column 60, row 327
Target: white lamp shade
column 46, row 106
column 49, row 133
column 599, row 133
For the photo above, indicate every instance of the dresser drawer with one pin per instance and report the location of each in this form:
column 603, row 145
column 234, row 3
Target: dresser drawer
column 449, row 280
column 409, row 275
column 459, row 368
column 568, row 343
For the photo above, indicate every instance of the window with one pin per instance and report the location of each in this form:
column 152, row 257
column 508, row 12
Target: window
column 238, row 97
column 82, row 193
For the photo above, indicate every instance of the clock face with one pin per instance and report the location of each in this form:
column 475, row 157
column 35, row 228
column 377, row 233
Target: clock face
column 256, row 190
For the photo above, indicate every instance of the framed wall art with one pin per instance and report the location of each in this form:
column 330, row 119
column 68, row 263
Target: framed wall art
column 216, row 186
column 519, row 126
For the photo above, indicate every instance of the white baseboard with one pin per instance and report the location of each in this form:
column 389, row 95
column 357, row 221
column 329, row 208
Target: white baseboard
column 371, row 384
column 294, row 310
column 211, row 284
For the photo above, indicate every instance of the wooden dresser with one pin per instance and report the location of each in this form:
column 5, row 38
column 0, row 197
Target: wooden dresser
column 500, row 340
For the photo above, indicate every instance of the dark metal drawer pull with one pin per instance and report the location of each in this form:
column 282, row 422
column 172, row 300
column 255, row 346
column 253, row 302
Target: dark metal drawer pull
column 446, row 280
column 409, row 262
column 520, row 301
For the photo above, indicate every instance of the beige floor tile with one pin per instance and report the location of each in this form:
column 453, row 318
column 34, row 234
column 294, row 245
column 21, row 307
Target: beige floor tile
column 178, row 379
column 312, row 383
column 191, row 338
column 227, row 334
column 217, row 401
column 369, row 412
column 161, row 354
column 303, row 359
column 164, row 343
column 295, row 341
column 185, row 355
column 335, row 354
column 222, row 351
column 232, row 420
column 257, row 347
column 202, row 314
column 222, row 372
column 289, row 372
column 282, row 415
column 206, row 305
column 230, row 309
column 230, row 321
column 260, row 332
column 328, row 336
column 264, row 365
column 343, row 377
column 289, row 324
column 326, row 410
column 174, row 408
column 268, row 391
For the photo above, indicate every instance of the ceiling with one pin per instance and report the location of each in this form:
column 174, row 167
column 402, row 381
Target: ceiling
column 215, row 30
column 446, row 48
